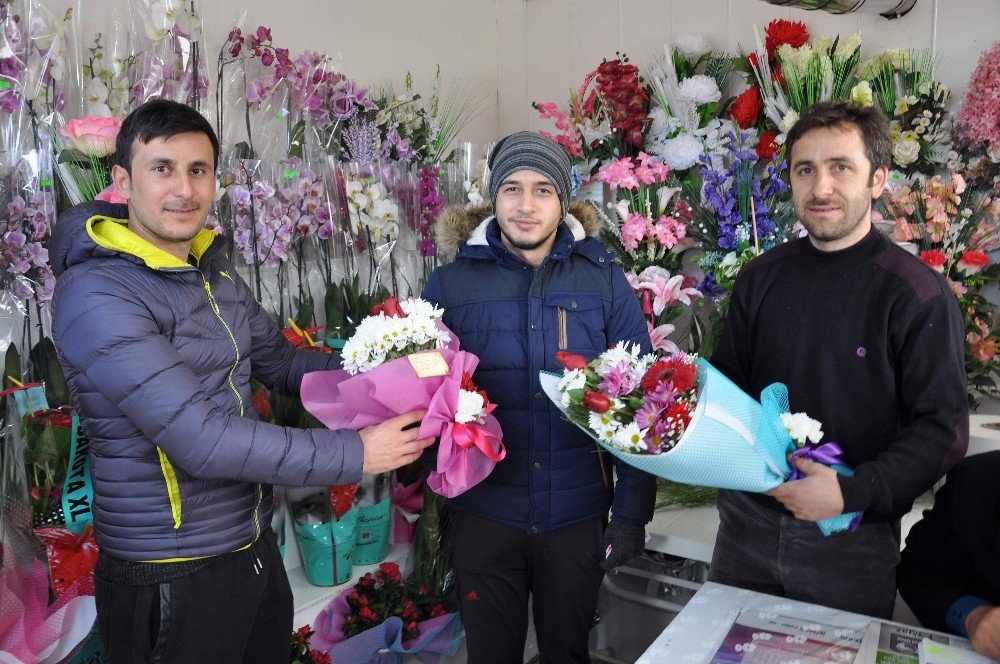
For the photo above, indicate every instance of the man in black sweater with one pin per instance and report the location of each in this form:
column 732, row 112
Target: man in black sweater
column 870, row 342
column 950, row 574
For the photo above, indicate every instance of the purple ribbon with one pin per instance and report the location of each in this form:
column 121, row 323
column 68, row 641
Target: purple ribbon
column 827, row 454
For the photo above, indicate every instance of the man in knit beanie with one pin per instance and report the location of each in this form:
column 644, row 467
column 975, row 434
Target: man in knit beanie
column 529, row 281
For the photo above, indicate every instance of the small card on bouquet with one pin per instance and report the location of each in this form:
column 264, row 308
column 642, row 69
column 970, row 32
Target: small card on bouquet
column 428, row 364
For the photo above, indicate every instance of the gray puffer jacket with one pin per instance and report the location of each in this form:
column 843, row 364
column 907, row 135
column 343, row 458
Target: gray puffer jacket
column 159, row 354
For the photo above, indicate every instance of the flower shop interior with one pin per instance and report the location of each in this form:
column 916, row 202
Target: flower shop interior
column 347, row 129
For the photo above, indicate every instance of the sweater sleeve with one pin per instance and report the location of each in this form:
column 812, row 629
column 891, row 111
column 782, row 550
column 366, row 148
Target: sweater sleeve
column 635, row 490
column 931, row 398
column 936, row 575
column 106, row 334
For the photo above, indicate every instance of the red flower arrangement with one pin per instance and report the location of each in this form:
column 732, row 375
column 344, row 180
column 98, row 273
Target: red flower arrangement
column 301, row 652
column 746, row 108
column 780, row 32
column 377, row 597
column 621, row 87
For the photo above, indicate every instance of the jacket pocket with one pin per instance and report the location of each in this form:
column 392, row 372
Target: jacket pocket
column 576, row 322
column 173, row 489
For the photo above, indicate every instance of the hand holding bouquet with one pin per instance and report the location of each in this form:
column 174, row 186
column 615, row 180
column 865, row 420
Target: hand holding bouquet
column 678, row 418
column 402, row 358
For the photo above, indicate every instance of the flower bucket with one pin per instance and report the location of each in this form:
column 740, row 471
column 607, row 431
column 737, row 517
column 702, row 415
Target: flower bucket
column 371, row 544
column 328, row 550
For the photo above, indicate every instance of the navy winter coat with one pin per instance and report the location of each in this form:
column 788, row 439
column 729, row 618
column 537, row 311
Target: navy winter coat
column 159, row 354
column 516, row 318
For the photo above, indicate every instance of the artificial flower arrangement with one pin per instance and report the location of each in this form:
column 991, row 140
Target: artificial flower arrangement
column 953, row 228
column 402, row 358
column 978, row 121
column 739, row 211
column 679, row 418
column 384, row 613
column 903, row 85
column 86, row 148
column 687, row 84
column 607, row 116
column 647, row 239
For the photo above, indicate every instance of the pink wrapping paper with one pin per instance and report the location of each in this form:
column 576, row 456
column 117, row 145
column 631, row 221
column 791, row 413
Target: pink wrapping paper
column 342, row 401
column 407, row 503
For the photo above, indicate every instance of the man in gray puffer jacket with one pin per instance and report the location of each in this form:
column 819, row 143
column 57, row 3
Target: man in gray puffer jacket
column 159, row 338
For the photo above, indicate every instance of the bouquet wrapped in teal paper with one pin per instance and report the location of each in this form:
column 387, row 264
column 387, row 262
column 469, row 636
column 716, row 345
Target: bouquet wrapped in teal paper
column 680, row 419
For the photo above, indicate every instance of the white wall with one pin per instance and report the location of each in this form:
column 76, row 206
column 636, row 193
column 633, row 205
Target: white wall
column 544, row 47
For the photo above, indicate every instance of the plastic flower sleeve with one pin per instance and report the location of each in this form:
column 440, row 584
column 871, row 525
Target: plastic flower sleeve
column 171, row 61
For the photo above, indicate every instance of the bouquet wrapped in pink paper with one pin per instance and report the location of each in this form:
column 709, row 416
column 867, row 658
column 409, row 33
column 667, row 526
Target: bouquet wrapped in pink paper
column 403, row 358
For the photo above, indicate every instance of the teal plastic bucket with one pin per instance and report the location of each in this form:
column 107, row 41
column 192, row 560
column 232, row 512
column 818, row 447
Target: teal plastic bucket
column 371, row 544
column 316, row 544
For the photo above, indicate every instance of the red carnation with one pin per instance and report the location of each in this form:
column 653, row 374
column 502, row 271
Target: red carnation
column 780, row 32
column 934, row 258
column 746, row 108
column 571, row 361
column 972, row 262
column 679, row 413
column 767, row 148
column 390, row 308
column 596, row 402
column 670, row 370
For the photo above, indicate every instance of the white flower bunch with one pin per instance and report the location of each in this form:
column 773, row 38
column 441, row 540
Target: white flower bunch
column 471, row 407
column 381, row 338
column 699, row 89
column 626, row 354
column 802, row 428
column 372, row 210
column 692, row 47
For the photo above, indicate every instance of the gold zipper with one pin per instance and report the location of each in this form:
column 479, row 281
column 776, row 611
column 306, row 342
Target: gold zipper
column 232, row 385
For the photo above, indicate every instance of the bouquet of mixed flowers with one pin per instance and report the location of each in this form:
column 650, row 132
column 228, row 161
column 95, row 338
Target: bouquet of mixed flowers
column 402, row 358
column 678, row 418
column 902, row 84
column 607, row 116
column 382, row 612
column 953, row 229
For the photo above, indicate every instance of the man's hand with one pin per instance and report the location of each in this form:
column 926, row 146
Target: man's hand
column 983, row 626
column 814, row 497
column 388, row 446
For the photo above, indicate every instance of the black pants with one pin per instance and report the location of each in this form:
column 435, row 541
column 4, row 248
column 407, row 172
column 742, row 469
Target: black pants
column 496, row 567
column 235, row 610
column 764, row 550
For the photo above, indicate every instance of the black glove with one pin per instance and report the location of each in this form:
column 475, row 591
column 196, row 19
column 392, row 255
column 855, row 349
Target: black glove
column 623, row 541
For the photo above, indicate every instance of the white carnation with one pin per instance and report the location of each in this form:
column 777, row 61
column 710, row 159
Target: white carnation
column 802, row 428
column 470, row 407
column 692, row 47
column 681, row 152
column 700, row 89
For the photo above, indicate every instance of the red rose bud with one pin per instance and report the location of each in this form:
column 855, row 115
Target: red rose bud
column 596, row 402
column 390, row 308
column 571, row 361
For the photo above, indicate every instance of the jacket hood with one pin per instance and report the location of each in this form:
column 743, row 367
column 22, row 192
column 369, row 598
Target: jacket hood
column 100, row 230
column 458, row 225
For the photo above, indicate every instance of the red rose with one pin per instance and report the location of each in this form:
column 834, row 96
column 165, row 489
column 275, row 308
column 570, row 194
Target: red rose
column 934, row 258
column 746, row 108
column 320, row 657
column 390, row 308
column 596, row 402
column 571, row 361
column 780, row 31
column 766, row 147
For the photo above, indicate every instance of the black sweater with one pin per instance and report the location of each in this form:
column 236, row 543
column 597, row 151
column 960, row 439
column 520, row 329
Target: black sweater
column 870, row 342
column 951, row 562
